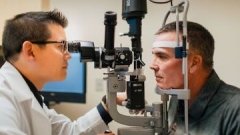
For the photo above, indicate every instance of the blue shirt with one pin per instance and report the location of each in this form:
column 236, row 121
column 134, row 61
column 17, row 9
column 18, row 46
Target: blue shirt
column 216, row 111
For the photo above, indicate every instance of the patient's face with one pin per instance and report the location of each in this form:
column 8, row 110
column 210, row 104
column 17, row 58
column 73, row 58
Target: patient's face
column 167, row 68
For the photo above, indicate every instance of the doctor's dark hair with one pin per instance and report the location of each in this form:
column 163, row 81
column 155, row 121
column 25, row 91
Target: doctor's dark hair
column 199, row 38
column 28, row 26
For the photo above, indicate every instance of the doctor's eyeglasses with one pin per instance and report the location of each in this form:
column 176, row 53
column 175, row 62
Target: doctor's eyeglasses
column 64, row 44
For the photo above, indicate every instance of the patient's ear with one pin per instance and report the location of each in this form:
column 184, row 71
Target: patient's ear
column 195, row 63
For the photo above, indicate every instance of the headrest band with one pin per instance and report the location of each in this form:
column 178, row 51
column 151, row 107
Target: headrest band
column 169, row 44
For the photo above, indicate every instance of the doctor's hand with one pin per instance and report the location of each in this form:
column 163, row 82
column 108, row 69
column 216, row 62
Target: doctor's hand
column 121, row 100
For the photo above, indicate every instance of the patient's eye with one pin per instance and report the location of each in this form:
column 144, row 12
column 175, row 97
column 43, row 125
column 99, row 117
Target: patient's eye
column 162, row 56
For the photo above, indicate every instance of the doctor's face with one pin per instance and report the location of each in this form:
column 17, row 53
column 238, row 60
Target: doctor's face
column 167, row 69
column 52, row 59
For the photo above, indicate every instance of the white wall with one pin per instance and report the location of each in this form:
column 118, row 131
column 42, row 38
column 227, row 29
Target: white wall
column 8, row 8
column 86, row 18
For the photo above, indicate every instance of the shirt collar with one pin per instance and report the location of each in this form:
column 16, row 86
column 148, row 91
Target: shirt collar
column 34, row 90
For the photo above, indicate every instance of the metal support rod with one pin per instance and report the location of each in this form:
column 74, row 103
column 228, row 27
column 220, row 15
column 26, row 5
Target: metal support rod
column 165, row 99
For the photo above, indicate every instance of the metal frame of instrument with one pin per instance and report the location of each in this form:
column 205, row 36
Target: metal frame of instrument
column 157, row 123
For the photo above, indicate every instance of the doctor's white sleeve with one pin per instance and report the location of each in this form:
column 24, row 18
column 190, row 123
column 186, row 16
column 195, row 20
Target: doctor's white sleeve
column 92, row 123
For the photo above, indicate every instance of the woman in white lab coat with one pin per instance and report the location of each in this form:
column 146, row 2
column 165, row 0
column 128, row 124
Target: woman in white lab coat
column 35, row 49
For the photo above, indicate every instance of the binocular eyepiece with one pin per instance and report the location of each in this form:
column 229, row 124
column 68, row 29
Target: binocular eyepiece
column 88, row 53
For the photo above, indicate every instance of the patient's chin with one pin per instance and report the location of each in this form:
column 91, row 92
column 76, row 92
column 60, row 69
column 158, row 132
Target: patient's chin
column 163, row 87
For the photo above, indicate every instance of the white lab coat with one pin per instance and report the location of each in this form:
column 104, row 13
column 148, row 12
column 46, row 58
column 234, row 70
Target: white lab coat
column 21, row 114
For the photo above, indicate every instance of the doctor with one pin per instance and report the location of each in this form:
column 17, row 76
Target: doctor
column 36, row 52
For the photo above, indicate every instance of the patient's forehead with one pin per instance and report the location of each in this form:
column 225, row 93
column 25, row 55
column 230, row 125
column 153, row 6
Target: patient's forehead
column 163, row 50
